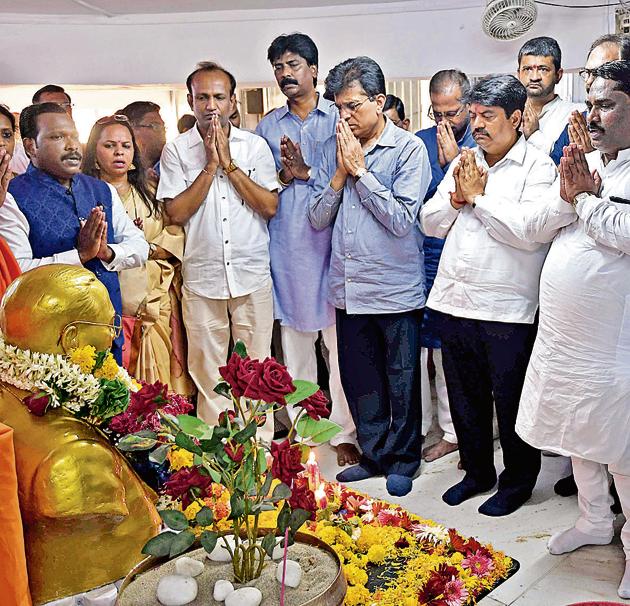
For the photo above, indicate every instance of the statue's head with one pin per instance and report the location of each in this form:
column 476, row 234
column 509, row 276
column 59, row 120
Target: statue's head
column 57, row 308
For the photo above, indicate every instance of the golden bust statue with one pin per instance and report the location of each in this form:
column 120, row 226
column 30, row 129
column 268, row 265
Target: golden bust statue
column 86, row 513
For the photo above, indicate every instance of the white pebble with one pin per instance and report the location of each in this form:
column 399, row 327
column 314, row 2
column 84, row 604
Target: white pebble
column 245, row 596
column 176, row 590
column 278, row 552
column 220, row 552
column 102, row 596
column 293, row 574
column 222, row 589
column 188, row 567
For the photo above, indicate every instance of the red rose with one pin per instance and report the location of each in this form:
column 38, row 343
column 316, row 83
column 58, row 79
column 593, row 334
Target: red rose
column 235, row 453
column 287, row 461
column 302, row 497
column 37, row 403
column 272, row 383
column 183, row 480
column 316, row 406
column 225, row 416
column 239, row 373
column 148, row 399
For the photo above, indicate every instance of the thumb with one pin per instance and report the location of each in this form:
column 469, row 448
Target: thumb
column 597, row 179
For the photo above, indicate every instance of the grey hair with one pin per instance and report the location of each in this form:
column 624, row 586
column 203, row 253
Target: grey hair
column 449, row 77
column 363, row 70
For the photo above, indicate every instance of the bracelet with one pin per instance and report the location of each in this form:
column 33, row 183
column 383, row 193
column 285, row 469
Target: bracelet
column 203, row 170
column 281, row 181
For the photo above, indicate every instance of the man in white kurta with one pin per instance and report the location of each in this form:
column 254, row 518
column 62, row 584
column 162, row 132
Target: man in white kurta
column 576, row 396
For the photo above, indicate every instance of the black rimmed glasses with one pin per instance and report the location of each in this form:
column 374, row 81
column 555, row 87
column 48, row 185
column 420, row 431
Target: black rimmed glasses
column 450, row 115
column 353, row 107
column 586, row 74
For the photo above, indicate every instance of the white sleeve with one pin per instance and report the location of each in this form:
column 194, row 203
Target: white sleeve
column 172, row 181
column 438, row 215
column 540, row 141
column 605, row 223
column 15, row 230
column 265, row 174
column 129, row 246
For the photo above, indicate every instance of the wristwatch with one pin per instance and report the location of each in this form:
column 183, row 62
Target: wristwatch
column 230, row 168
column 361, row 173
column 583, row 195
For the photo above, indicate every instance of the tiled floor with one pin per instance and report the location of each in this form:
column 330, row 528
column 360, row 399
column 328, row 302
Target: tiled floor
column 591, row 573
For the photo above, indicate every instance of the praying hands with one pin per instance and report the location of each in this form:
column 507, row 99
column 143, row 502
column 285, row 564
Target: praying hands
column 447, row 146
column 575, row 176
column 578, row 132
column 470, row 180
column 293, row 164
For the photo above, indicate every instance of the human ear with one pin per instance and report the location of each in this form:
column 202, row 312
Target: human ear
column 189, row 98
column 30, row 147
column 69, row 338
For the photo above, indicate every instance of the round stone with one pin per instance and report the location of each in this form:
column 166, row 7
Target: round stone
column 245, row 596
column 176, row 590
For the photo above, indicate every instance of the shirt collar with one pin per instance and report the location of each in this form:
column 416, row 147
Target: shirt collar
column 515, row 154
column 623, row 156
column 323, row 105
column 389, row 136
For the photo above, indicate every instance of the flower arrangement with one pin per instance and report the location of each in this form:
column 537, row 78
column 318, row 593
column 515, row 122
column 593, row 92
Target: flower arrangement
column 225, row 478
column 88, row 383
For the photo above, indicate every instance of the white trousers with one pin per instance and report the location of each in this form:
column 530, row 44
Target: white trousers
column 594, row 500
column 209, row 325
column 300, row 359
column 443, row 411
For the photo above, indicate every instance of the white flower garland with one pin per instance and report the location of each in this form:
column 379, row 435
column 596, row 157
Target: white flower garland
column 34, row 371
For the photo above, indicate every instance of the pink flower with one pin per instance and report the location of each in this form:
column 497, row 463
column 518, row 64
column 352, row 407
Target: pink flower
column 479, row 564
column 455, row 594
column 388, row 517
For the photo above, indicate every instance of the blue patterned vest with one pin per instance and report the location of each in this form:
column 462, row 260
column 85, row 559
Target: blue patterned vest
column 53, row 212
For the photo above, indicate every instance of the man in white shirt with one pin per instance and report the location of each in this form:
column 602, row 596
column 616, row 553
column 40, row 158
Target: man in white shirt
column 487, row 288
column 220, row 183
column 54, row 214
column 546, row 114
column 575, row 395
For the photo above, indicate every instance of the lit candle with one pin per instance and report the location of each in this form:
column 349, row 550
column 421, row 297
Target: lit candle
column 312, row 472
column 320, row 497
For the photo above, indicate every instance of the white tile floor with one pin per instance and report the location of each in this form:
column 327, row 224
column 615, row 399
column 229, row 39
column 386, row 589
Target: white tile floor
column 591, row 573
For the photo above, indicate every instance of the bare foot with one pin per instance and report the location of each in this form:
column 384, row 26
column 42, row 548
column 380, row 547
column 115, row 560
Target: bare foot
column 347, row 454
column 438, row 450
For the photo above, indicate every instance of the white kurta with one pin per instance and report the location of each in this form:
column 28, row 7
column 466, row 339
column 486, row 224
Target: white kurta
column 576, row 397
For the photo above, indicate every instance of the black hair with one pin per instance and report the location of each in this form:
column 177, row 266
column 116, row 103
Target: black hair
column 211, row 66
column 137, row 176
column 49, row 88
column 136, row 110
column 620, row 40
column 618, row 71
column 394, row 102
column 363, row 70
column 499, row 90
column 186, row 122
column 544, row 46
column 4, row 110
column 297, row 43
column 28, row 117
column 449, row 77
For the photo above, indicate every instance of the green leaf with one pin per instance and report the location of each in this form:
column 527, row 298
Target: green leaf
column 261, row 461
column 245, row 434
column 186, row 442
column 284, row 517
column 159, row 454
column 240, row 349
column 268, row 543
column 221, row 432
column 318, row 431
column 281, row 491
column 264, row 491
column 181, row 542
column 223, row 389
column 204, row 516
column 264, row 506
column 298, row 517
column 237, row 507
column 137, row 441
column 214, row 474
column 194, row 426
column 175, row 520
column 303, row 390
column 160, row 545
column 208, row 540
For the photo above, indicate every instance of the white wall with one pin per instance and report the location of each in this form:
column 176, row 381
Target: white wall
column 404, row 37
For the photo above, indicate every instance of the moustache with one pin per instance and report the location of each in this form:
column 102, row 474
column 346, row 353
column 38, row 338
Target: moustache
column 72, row 156
column 286, row 81
column 481, row 131
column 592, row 128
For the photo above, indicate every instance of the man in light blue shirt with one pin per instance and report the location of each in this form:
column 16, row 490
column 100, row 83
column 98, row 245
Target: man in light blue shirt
column 300, row 255
column 373, row 180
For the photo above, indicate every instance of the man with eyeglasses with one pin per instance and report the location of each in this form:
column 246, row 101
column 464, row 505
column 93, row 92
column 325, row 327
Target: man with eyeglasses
column 299, row 253
column 394, row 109
column 546, row 114
column 52, row 93
column 148, row 130
column 370, row 188
column 609, row 47
column 55, row 214
column 486, row 288
column 447, row 89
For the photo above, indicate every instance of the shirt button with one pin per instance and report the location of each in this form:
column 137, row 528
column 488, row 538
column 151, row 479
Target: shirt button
column 222, row 197
column 225, row 218
column 353, row 206
column 228, row 263
column 349, row 231
column 226, row 241
column 349, row 256
column 349, row 279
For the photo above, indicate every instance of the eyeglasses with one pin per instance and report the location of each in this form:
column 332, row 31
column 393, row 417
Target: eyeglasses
column 353, row 106
column 116, row 328
column 156, row 126
column 112, row 119
column 66, row 105
column 586, row 74
column 435, row 116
